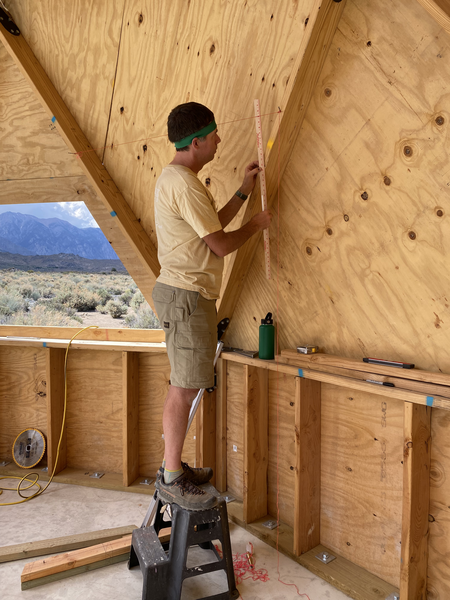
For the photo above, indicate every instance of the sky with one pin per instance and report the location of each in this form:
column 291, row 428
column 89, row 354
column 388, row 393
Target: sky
column 76, row 213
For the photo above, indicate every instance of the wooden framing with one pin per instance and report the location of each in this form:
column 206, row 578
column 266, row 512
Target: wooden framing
column 221, row 426
column 104, row 186
column 130, row 421
column 322, row 21
column 55, row 409
column 439, row 10
column 416, row 501
column 256, row 446
column 307, row 469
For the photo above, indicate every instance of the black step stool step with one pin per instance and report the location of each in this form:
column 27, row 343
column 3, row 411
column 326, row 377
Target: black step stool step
column 163, row 565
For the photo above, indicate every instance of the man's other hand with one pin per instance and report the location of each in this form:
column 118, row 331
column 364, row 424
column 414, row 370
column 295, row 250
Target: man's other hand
column 263, row 219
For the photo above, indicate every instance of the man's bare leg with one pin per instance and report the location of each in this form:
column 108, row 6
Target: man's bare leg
column 175, row 419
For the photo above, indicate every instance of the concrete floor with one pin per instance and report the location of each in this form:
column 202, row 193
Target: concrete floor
column 67, row 510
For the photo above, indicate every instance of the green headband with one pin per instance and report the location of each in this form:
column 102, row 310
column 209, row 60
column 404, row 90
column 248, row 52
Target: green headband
column 188, row 139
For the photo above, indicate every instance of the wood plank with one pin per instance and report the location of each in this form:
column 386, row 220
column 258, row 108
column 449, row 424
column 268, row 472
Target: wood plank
column 235, row 429
column 416, row 501
column 281, row 470
column 62, row 544
column 439, row 10
column 221, row 426
column 427, row 388
column 322, row 22
column 356, row 582
column 350, row 363
column 158, row 348
column 206, row 433
column 76, row 558
column 256, row 443
column 361, row 499
column 100, row 333
column 307, row 468
column 77, row 142
column 130, row 419
column 28, row 585
column 55, row 410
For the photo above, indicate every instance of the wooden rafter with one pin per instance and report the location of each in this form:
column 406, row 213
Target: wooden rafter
column 128, row 225
column 439, row 10
column 322, row 24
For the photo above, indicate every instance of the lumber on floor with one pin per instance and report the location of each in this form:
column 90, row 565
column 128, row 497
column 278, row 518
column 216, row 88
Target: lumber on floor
column 62, row 544
column 65, row 565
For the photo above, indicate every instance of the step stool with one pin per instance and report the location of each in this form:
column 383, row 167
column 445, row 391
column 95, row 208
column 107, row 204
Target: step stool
column 163, row 565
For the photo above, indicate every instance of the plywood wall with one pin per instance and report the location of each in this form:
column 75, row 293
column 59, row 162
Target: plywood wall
column 23, row 393
column 363, row 240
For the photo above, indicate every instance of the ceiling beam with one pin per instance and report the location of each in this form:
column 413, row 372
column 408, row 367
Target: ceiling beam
column 320, row 29
column 116, row 207
column 439, row 10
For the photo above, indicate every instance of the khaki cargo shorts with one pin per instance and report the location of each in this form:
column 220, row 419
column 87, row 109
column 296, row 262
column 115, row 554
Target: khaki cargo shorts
column 189, row 322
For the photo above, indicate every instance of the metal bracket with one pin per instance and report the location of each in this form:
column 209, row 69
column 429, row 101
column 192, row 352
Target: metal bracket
column 393, row 596
column 146, row 482
column 270, row 524
column 4, row 463
column 45, row 469
column 325, row 557
column 8, row 23
column 229, row 498
column 97, row 475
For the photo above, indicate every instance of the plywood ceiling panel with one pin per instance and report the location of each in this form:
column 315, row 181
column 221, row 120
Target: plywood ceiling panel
column 221, row 54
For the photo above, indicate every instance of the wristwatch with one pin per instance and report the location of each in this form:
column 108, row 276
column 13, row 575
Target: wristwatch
column 239, row 194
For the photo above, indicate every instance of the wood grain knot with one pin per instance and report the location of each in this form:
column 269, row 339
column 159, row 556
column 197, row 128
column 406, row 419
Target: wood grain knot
column 439, row 212
column 386, row 180
column 437, row 474
column 412, row 235
column 365, row 196
column 327, row 92
column 440, row 120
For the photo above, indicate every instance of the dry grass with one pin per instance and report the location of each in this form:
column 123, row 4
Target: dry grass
column 54, row 299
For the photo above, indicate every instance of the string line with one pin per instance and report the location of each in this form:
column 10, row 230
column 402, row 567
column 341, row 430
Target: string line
column 163, row 135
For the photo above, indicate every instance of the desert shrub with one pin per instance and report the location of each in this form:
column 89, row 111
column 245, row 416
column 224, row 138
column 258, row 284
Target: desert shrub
column 78, row 298
column 11, row 302
column 104, row 295
column 143, row 318
column 137, row 300
column 115, row 290
column 101, row 308
column 40, row 316
column 126, row 297
column 116, row 309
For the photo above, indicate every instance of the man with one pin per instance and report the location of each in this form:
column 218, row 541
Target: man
column 191, row 246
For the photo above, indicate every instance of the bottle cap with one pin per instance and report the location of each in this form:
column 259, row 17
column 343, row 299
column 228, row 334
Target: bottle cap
column 268, row 320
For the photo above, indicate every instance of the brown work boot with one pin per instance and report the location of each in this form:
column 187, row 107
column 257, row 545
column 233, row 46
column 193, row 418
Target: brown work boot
column 184, row 493
column 195, row 475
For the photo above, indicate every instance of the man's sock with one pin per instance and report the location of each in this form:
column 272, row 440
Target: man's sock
column 170, row 476
column 164, row 463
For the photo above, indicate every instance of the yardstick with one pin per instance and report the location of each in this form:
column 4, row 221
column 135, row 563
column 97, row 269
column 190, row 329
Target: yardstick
column 262, row 179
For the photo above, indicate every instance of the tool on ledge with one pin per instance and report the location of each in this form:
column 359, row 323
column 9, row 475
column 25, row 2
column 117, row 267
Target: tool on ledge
column 308, row 349
column 388, row 363
column 248, row 353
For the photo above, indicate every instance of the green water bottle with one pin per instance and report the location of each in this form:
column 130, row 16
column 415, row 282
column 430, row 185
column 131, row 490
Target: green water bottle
column 267, row 338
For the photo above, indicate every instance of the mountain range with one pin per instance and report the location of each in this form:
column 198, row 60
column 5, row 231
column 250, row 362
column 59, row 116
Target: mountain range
column 29, row 236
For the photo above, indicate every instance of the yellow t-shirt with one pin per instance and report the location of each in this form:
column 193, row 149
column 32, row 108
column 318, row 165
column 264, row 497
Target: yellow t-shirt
column 184, row 214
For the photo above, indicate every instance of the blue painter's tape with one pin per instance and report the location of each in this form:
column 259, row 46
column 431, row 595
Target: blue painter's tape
column 44, row 344
column 430, row 400
column 300, row 372
column 113, row 213
column 53, row 119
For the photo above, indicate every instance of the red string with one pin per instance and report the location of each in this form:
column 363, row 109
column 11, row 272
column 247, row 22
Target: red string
column 113, row 145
